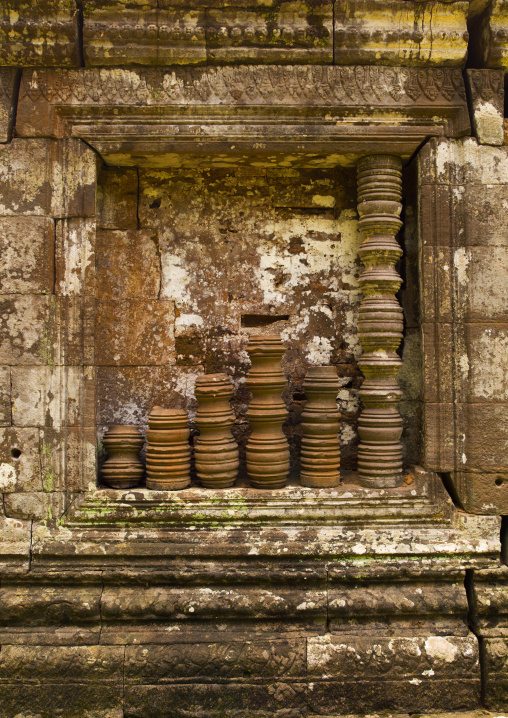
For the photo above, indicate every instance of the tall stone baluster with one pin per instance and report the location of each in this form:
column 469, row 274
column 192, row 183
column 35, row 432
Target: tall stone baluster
column 215, row 450
column 380, row 322
column 267, row 449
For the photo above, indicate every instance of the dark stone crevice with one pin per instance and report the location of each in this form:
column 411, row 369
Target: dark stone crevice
column 80, row 23
column 11, row 130
column 478, row 27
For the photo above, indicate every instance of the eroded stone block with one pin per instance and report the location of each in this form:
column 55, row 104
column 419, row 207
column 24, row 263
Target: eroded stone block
column 128, row 264
column 5, row 396
column 127, row 394
column 402, row 674
column 75, row 257
column 495, row 659
column 20, row 460
column 69, row 459
column 398, row 32
column 40, row 506
column 166, row 664
column 27, row 248
column 39, row 34
column 134, row 332
column 53, row 396
column 117, row 198
column 486, row 88
column 120, row 33
column 45, row 177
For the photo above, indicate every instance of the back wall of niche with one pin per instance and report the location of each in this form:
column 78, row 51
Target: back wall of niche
column 190, row 262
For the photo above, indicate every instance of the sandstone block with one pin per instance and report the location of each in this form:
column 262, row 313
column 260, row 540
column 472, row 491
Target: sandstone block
column 43, row 329
column 39, row 34
column 126, row 395
column 117, row 198
column 7, row 82
column 47, row 664
column 40, row 506
column 5, row 396
column 486, row 90
column 440, row 342
column 464, row 161
column 128, row 264
column 396, row 32
column 75, row 257
column 481, row 491
column 286, row 34
column 167, row 664
column 46, row 177
column 27, row 248
column 69, row 459
column 15, row 545
column 134, row 332
column 487, row 346
column 495, row 661
column 53, row 396
column 277, row 700
column 143, row 34
column 40, row 699
column 402, row 674
column 20, row 461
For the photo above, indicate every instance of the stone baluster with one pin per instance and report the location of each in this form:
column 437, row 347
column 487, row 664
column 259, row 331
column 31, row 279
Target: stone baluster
column 380, row 322
column 168, row 450
column 215, row 450
column 122, row 469
column 320, row 454
column 267, row 449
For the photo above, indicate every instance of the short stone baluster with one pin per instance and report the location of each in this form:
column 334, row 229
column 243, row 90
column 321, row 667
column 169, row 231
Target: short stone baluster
column 320, row 455
column 215, row 450
column 122, row 469
column 267, row 448
column 380, row 322
column 168, row 450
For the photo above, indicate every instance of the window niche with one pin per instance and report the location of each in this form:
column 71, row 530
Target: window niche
column 191, row 261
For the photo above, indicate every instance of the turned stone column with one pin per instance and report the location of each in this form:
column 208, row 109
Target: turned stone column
column 380, row 321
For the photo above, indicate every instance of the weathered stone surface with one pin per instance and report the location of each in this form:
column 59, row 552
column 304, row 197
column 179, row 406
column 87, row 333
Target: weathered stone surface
column 20, row 461
column 128, row 264
column 75, row 257
column 9, row 77
column 405, row 674
column 123, row 33
column 394, row 32
column 459, row 162
column 363, row 608
column 126, row 395
column 495, row 45
column 15, row 545
column 486, row 90
column 38, row 699
column 167, row 664
column 27, row 247
column 69, row 458
column 99, row 664
column 117, row 198
column 44, row 177
column 5, row 396
column 40, row 506
column 177, row 701
column 53, row 396
column 495, row 660
column 40, row 34
column 489, row 601
column 134, row 332
column 284, row 33
column 43, row 329
column 418, row 101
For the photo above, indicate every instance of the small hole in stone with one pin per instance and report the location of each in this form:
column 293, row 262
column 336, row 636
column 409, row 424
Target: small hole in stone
column 498, row 482
column 15, row 453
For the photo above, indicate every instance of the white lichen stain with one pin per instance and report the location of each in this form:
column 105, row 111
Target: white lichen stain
column 347, row 434
column 319, row 351
column 490, row 378
column 489, row 123
column 441, row 649
column 7, row 477
column 461, row 259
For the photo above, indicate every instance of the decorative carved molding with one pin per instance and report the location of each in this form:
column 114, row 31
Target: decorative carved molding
column 129, row 115
column 380, row 321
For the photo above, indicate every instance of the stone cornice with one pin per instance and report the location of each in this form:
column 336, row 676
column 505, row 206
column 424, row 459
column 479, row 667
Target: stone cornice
column 313, row 109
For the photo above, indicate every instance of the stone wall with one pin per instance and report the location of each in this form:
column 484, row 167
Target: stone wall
column 176, row 175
